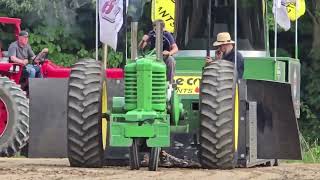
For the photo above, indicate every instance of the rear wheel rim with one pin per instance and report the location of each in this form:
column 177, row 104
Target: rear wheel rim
column 3, row 117
column 104, row 120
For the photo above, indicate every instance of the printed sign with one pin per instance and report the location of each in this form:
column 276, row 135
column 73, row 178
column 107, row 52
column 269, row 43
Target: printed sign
column 293, row 8
column 111, row 19
column 110, row 10
column 187, row 84
column 165, row 10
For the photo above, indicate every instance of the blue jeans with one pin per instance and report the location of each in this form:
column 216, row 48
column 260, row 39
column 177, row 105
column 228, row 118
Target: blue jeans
column 171, row 68
column 33, row 70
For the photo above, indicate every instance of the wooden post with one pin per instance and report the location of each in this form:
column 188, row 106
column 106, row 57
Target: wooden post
column 105, row 56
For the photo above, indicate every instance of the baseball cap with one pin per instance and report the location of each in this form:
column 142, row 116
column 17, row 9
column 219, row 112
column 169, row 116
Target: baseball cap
column 24, row 33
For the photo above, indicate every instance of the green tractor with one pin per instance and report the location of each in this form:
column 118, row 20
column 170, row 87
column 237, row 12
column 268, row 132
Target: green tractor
column 211, row 117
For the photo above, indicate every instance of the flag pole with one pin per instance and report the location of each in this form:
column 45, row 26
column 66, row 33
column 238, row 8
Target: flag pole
column 124, row 58
column 105, row 55
column 209, row 28
column 296, row 33
column 235, row 36
column 97, row 31
column 276, row 30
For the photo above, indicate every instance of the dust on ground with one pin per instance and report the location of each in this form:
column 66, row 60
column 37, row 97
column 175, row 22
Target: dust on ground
column 58, row 169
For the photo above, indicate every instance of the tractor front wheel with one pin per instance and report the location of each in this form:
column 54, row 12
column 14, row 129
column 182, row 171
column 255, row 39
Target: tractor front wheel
column 134, row 155
column 84, row 115
column 154, row 158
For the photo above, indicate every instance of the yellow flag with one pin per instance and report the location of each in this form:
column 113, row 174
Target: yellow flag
column 292, row 8
column 165, row 10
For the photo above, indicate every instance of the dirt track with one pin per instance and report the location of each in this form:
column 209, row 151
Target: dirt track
column 22, row 168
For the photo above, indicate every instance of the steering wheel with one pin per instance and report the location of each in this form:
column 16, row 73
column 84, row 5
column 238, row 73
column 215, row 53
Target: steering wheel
column 148, row 50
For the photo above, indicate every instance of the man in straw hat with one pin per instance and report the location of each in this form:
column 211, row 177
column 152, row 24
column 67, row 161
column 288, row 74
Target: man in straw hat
column 225, row 51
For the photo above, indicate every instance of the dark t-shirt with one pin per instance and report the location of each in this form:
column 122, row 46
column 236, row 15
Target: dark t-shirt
column 20, row 52
column 240, row 61
column 168, row 40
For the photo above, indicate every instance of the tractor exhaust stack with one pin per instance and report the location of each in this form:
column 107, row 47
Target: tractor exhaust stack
column 134, row 40
column 159, row 42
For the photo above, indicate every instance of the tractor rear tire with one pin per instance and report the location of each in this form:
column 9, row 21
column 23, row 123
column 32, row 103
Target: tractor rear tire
column 217, row 125
column 14, row 118
column 84, row 115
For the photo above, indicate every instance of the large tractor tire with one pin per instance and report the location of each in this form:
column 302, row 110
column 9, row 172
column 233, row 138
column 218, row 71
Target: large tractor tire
column 218, row 116
column 14, row 118
column 84, row 122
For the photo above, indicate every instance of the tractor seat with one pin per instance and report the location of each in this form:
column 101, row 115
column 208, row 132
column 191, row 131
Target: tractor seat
column 5, row 58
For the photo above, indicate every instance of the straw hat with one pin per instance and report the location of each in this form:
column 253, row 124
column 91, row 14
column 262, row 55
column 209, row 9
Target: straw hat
column 223, row 38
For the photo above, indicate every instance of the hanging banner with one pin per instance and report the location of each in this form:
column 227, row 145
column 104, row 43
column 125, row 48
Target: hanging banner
column 292, row 8
column 165, row 10
column 110, row 20
column 282, row 18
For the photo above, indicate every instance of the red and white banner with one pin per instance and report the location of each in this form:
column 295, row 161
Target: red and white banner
column 111, row 20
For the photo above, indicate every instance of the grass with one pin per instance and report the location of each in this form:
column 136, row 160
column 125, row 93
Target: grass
column 310, row 151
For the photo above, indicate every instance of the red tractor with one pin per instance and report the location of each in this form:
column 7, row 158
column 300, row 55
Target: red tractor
column 14, row 103
column 14, row 70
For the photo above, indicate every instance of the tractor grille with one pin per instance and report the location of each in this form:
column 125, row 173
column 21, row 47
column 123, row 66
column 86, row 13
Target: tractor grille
column 130, row 90
column 156, row 95
column 159, row 89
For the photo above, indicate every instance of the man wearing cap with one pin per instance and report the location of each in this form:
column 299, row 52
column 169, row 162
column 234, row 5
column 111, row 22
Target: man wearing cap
column 225, row 51
column 20, row 52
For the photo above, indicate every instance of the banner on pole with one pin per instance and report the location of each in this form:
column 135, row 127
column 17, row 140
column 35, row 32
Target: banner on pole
column 293, row 8
column 282, row 18
column 165, row 10
column 111, row 20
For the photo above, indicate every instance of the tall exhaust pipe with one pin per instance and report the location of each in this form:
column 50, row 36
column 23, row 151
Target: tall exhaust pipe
column 159, row 41
column 134, row 40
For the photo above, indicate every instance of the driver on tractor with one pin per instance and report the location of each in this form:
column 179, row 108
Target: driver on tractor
column 21, row 52
column 169, row 48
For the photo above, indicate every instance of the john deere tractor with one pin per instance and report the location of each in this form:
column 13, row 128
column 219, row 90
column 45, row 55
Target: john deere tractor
column 212, row 117
column 141, row 118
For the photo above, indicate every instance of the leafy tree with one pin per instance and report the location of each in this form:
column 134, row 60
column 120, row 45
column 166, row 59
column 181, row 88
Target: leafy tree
column 66, row 27
column 310, row 122
column 313, row 10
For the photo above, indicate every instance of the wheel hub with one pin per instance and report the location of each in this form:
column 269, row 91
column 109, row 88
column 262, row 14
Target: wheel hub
column 3, row 117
